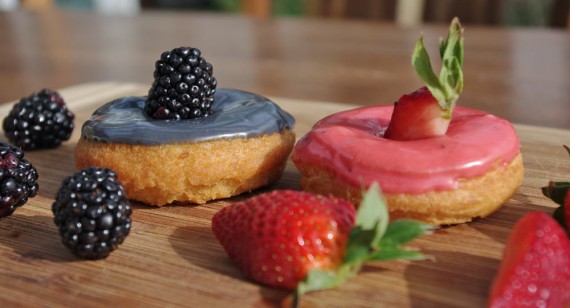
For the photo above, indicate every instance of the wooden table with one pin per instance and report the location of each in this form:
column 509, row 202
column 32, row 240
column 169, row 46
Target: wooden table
column 520, row 74
column 171, row 257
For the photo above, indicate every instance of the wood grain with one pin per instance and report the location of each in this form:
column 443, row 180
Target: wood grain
column 171, row 257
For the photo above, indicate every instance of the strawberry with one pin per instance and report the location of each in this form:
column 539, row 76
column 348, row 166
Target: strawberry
column 427, row 111
column 535, row 270
column 292, row 239
column 417, row 115
column 276, row 237
column 559, row 193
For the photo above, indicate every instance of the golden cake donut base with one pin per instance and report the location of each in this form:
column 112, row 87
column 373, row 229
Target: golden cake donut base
column 190, row 172
column 474, row 197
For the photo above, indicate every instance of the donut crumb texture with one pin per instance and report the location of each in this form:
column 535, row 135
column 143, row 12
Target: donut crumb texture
column 474, row 198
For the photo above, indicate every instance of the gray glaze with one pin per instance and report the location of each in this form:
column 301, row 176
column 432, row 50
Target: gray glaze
column 234, row 114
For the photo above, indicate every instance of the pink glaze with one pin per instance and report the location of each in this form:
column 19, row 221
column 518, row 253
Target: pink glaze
column 351, row 145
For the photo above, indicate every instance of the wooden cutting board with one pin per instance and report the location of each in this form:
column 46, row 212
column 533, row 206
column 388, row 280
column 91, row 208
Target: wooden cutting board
column 172, row 258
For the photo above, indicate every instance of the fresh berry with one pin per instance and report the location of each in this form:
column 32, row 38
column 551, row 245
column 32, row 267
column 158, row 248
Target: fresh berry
column 291, row 239
column 559, row 193
column 276, row 238
column 183, row 86
column 535, row 270
column 39, row 121
column 18, row 179
column 417, row 115
column 426, row 112
column 92, row 213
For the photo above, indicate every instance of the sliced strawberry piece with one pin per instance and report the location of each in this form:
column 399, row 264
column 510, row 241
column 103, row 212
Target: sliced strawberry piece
column 426, row 112
column 535, row 270
column 417, row 115
column 292, row 239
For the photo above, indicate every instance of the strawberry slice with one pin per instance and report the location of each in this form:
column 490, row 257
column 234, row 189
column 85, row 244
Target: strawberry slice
column 298, row 240
column 426, row 112
column 417, row 115
column 535, row 270
column 559, row 193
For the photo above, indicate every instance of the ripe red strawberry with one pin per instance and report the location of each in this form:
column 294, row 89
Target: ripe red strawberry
column 292, row 239
column 417, row 115
column 276, row 237
column 427, row 111
column 559, row 193
column 535, row 271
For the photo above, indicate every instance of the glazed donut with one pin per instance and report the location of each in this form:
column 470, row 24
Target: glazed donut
column 242, row 145
column 466, row 173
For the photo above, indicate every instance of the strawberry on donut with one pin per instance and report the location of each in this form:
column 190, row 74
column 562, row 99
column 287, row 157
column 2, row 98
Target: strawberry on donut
column 434, row 162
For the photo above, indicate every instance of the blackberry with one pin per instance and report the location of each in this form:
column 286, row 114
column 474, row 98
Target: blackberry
column 39, row 121
column 92, row 213
column 183, row 86
column 18, row 179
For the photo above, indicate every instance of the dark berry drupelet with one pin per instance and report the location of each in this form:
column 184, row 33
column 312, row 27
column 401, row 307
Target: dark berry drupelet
column 18, row 179
column 39, row 121
column 92, row 213
column 183, row 86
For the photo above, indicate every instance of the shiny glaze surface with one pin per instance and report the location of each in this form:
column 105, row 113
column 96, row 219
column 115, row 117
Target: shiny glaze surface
column 235, row 114
column 351, row 145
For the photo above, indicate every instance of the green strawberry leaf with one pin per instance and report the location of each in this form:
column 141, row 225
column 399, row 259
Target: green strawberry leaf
column 396, row 253
column 321, row 280
column 422, row 64
column 448, row 86
column 402, row 231
column 318, row 280
column 315, row 280
column 452, row 77
column 557, row 191
column 371, row 223
column 452, row 46
column 372, row 238
column 359, row 244
column 372, row 213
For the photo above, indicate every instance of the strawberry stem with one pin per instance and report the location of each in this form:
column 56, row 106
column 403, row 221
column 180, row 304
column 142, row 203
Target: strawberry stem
column 372, row 238
column 446, row 87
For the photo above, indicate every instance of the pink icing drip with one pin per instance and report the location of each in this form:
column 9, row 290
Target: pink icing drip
column 351, row 145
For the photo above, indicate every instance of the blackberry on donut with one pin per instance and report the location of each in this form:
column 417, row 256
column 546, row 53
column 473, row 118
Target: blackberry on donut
column 188, row 141
column 435, row 162
column 183, row 87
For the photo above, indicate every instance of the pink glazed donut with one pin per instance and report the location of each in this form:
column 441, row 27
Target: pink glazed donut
column 469, row 172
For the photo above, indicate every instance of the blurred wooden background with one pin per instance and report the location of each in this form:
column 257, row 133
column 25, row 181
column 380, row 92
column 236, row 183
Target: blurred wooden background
column 554, row 13
column 546, row 13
